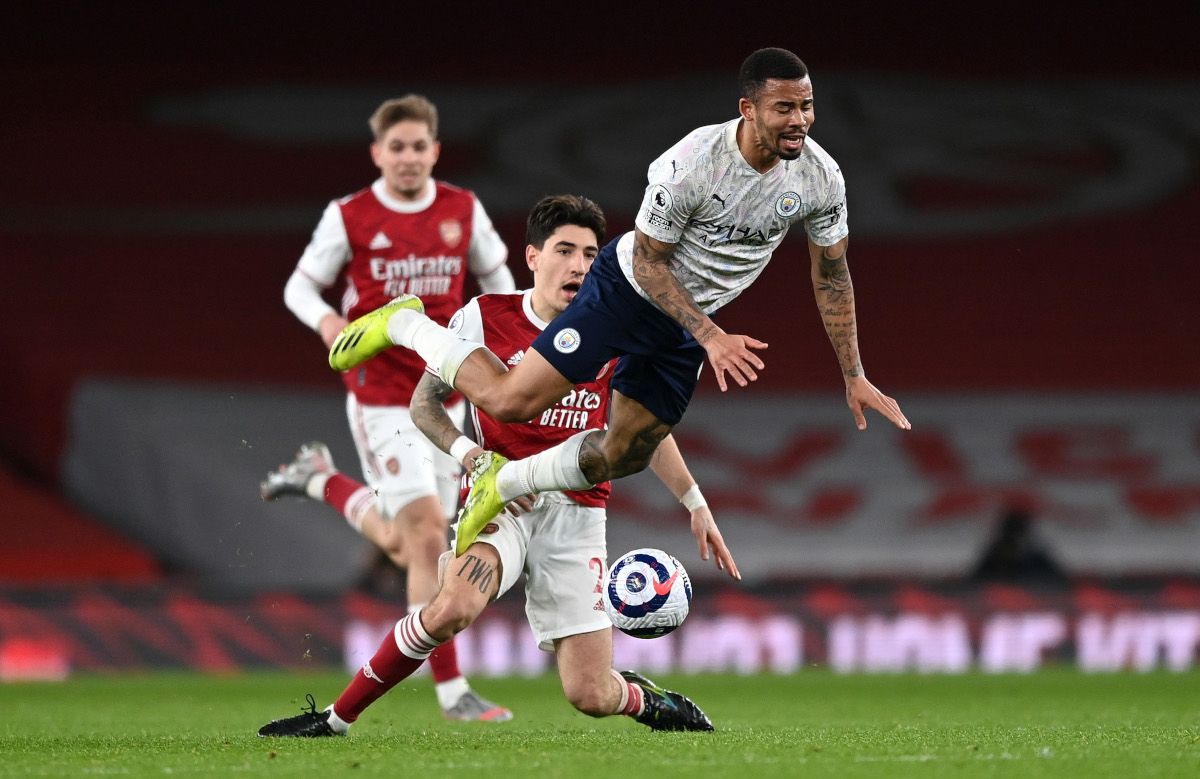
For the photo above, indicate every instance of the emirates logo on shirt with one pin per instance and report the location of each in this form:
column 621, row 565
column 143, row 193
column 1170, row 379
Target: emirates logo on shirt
column 451, row 230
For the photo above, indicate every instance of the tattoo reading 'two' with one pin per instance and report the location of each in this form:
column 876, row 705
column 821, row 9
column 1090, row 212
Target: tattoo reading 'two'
column 480, row 574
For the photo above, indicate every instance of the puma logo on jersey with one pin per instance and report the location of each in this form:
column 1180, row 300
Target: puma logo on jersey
column 380, row 241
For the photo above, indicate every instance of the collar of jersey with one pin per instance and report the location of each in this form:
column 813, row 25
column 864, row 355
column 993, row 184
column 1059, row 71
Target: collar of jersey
column 379, row 187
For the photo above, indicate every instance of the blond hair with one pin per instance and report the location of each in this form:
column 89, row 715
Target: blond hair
column 398, row 109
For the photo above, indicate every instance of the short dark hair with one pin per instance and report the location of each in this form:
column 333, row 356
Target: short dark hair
column 767, row 64
column 554, row 211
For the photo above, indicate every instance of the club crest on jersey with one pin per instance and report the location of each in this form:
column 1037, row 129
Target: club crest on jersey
column 451, row 230
column 660, row 199
column 380, row 241
column 787, row 204
column 567, row 340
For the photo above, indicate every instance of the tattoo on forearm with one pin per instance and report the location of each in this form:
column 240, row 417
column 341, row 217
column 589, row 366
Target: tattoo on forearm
column 835, row 301
column 480, row 572
column 835, row 278
column 652, row 271
column 429, row 415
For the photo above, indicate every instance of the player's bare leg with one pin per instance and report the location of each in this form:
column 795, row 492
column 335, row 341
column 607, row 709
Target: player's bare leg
column 511, row 395
column 583, row 460
column 626, row 446
column 594, row 688
column 585, row 670
column 420, row 529
column 469, row 584
column 508, row 396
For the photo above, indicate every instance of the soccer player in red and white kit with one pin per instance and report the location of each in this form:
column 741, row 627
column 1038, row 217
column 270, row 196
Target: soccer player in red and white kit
column 406, row 233
column 560, row 543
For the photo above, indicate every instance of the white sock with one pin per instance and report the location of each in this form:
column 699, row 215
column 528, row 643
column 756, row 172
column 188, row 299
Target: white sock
column 448, row 692
column 441, row 349
column 338, row 724
column 557, row 468
column 400, row 325
column 316, row 485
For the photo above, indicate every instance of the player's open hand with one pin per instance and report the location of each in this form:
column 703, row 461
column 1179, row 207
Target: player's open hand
column 731, row 353
column 862, row 395
column 704, row 528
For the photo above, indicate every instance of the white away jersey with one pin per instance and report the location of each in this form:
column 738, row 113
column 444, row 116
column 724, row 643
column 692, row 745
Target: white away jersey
column 725, row 218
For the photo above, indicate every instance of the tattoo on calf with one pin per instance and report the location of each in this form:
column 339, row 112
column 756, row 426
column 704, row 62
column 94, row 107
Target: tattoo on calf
column 591, row 460
column 480, row 574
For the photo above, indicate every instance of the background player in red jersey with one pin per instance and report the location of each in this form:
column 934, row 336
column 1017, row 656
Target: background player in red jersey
column 406, row 233
column 560, row 543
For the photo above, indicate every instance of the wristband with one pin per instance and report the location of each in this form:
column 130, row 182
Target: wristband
column 460, row 447
column 693, row 499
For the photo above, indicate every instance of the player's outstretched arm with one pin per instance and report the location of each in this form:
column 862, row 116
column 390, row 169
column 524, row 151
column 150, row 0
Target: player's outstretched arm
column 668, row 465
column 727, row 353
column 430, row 417
column 834, row 292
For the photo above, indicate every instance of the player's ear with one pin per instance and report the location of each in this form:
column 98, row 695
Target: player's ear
column 376, row 150
column 531, row 257
column 746, row 109
column 437, row 151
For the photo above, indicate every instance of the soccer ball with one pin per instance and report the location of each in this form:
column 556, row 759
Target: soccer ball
column 648, row 593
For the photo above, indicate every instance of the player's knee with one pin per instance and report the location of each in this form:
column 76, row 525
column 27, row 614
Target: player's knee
column 446, row 617
column 589, row 698
column 393, row 543
column 427, row 527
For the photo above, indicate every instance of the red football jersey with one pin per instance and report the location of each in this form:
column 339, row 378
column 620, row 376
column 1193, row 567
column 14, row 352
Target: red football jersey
column 507, row 325
column 423, row 253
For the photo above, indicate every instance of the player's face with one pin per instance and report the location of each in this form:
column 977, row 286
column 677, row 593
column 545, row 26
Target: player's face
column 778, row 121
column 405, row 156
column 559, row 267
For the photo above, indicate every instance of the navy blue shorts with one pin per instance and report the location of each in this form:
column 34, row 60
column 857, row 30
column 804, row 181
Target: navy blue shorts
column 659, row 363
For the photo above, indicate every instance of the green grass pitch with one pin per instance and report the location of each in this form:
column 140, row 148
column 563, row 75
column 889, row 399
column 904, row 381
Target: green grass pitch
column 1056, row 723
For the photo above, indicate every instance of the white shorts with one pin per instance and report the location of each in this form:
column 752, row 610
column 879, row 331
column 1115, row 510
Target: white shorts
column 561, row 548
column 398, row 461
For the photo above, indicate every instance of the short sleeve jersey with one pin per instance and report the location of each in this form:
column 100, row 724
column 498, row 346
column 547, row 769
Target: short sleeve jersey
column 507, row 325
column 384, row 248
column 725, row 218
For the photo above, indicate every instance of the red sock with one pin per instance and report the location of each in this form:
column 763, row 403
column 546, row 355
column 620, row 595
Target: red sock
column 444, row 662
column 397, row 658
column 349, row 497
column 632, row 699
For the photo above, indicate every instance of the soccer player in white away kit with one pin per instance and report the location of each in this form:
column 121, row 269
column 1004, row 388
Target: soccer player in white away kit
column 718, row 204
column 560, row 543
column 406, row 233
